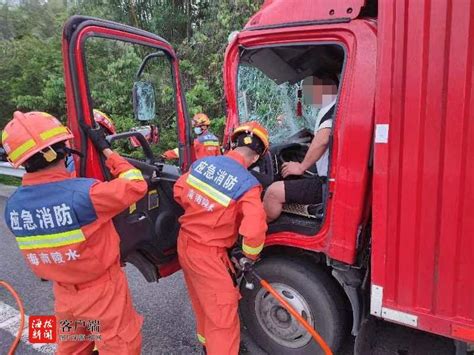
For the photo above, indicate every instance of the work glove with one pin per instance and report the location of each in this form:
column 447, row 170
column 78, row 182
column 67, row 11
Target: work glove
column 241, row 262
column 97, row 137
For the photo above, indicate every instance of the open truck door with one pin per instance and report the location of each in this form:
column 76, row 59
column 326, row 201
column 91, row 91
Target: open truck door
column 145, row 65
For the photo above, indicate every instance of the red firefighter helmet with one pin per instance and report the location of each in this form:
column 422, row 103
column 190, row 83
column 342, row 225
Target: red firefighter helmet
column 201, row 119
column 104, row 121
column 246, row 133
column 30, row 133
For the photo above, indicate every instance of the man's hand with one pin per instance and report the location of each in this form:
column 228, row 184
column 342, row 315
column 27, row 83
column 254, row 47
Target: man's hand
column 292, row 168
column 98, row 138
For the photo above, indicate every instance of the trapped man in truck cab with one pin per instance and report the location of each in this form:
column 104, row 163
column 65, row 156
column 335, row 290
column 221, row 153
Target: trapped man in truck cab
column 63, row 227
column 321, row 92
column 221, row 199
column 206, row 143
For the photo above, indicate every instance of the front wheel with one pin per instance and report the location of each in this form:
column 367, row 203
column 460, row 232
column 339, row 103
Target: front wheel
column 308, row 289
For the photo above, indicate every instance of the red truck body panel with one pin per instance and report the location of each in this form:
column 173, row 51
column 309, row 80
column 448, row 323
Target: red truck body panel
column 302, row 12
column 423, row 188
column 349, row 172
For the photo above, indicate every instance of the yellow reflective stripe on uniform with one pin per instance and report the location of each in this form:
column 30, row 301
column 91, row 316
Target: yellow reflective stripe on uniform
column 22, row 149
column 53, row 132
column 51, row 240
column 252, row 250
column 132, row 174
column 207, row 189
column 201, row 339
column 211, row 143
column 4, row 135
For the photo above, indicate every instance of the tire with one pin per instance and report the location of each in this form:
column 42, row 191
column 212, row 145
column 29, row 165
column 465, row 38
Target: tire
column 311, row 291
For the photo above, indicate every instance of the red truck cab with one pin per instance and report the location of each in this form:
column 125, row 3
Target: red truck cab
column 392, row 238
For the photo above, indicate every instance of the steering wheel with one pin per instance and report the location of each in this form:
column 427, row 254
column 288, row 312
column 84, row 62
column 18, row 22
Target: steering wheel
column 295, row 156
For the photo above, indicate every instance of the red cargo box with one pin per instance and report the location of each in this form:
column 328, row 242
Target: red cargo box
column 423, row 201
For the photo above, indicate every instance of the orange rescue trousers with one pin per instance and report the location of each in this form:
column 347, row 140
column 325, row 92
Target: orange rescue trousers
column 106, row 300
column 214, row 297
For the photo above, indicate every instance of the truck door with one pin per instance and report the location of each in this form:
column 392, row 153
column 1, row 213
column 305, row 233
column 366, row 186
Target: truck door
column 104, row 63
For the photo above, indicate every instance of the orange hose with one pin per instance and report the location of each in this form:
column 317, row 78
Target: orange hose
column 22, row 316
column 327, row 350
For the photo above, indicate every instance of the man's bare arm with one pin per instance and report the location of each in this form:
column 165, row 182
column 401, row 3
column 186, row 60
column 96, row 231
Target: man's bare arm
column 316, row 150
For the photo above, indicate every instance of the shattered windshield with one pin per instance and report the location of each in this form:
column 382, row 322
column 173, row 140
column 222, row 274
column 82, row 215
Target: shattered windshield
column 274, row 106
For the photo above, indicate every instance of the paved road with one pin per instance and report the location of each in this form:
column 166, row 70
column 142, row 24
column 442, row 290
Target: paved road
column 169, row 321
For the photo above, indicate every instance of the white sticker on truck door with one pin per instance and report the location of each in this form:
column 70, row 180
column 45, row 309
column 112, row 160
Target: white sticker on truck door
column 381, row 133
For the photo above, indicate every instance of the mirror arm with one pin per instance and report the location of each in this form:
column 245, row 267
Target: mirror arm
column 145, row 60
column 149, row 158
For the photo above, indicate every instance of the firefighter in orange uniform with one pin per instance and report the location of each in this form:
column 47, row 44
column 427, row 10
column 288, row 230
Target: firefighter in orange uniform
column 206, row 144
column 221, row 200
column 64, row 229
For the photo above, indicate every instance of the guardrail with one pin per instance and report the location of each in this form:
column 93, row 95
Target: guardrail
column 7, row 169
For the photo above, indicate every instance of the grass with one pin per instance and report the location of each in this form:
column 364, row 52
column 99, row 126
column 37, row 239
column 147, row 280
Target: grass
column 10, row 180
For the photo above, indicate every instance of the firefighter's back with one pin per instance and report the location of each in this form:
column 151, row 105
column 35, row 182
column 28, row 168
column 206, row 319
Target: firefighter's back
column 49, row 220
column 210, row 194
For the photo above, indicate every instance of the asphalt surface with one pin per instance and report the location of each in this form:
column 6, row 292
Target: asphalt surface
column 169, row 322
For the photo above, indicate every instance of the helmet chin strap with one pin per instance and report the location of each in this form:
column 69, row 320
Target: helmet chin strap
column 73, row 151
column 50, row 155
column 69, row 162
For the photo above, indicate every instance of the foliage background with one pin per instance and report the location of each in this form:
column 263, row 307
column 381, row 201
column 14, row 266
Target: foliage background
column 31, row 72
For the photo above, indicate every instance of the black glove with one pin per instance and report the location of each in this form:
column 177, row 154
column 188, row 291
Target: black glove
column 241, row 262
column 97, row 137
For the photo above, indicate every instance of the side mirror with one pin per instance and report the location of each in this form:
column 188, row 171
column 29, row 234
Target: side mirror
column 144, row 100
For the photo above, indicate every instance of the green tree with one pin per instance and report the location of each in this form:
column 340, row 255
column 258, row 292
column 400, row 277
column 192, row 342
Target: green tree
column 30, row 58
column 31, row 74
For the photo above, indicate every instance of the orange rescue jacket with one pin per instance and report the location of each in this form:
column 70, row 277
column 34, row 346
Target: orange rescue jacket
column 221, row 199
column 63, row 225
